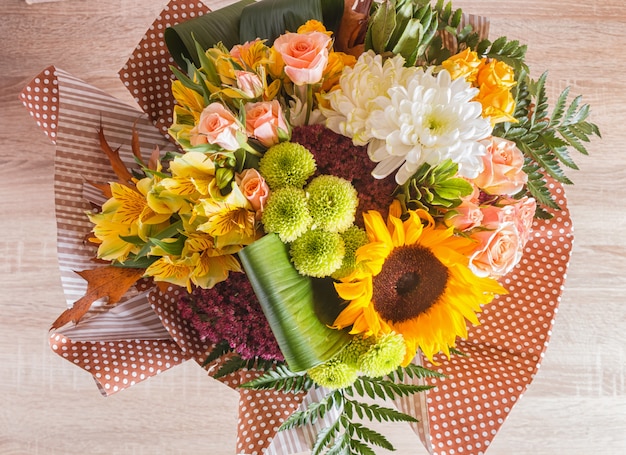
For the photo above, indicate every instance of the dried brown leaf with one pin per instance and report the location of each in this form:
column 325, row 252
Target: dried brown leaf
column 114, row 158
column 110, row 282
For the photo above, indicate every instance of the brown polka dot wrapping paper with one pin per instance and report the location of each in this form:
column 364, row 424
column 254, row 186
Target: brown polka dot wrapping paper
column 144, row 335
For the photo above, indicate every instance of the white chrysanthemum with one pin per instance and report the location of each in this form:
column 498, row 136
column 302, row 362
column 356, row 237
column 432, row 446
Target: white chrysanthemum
column 427, row 120
column 352, row 102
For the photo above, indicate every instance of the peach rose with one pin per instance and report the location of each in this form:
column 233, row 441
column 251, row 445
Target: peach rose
column 249, row 83
column 263, row 120
column 464, row 217
column 219, row 126
column 305, row 55
column 498, row 251
column 524, row 217
column 254, row 188
column 502, row 173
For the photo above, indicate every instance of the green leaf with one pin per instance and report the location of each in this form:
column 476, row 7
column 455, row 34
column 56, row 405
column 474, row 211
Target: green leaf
column 221, row 25
column 381, row 27
column 370, row 436
column 381, row 413
column 271, row 18
column 293, row 304
column 218, row 351
column 281, row 379
column 325, row 437
column 233, row 364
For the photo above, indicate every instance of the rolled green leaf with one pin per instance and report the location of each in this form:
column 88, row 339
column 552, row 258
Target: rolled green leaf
column 269, row 19
column 221, row 25
column 298, row 308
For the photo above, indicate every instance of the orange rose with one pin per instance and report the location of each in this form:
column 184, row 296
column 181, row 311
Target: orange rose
column 502, row 168
column 305, row 55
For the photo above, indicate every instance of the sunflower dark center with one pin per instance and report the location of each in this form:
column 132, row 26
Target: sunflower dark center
column 411, row 281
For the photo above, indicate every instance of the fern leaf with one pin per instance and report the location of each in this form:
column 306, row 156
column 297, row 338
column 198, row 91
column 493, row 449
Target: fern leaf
column 559, row 107
column 282, row 379
column 218, row 351
column 325, row 437
column 233, row 364
column 381, row 413
column 370, row 436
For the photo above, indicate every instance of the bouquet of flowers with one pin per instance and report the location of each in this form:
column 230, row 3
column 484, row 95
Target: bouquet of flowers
column 347, row 187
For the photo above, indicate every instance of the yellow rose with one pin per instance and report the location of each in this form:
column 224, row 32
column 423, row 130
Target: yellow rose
column 464, row 64
column 337, row 61
column 498, row 104
column 313, row 26
column 495, row 74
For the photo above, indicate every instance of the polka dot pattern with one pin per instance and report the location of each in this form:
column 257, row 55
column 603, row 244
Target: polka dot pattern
column 466, row 409
column 41, row 98
column 116, row 365
column 147, row 74
column 260, row 412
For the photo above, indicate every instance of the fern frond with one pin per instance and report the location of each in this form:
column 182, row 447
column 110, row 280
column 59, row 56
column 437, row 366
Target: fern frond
column 282, row 379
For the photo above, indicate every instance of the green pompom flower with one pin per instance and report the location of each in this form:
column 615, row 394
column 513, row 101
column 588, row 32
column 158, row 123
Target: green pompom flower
column 287, row 164
column 384, row 355
column 332, row 203
column 286, row 213
column 353, row 238
column 317, row 253
column 357, row 346
column 333, row 374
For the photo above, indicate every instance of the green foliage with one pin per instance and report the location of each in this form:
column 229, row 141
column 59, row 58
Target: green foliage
column 281, row 379
column 345, row 435
column 235, row 363
column 545, row 139
column 434, row 187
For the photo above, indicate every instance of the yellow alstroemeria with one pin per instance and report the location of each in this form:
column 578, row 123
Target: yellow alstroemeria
column 109, row 235
column 251, row 55
column 230, row 219
column 174, row 270
column 192, row 175
column 192, row 101
column 214, row 264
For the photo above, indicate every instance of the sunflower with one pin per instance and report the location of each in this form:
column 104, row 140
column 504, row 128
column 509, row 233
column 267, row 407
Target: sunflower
column 413, row 278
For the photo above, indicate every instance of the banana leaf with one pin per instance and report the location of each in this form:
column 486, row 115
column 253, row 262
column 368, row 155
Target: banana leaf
column 247, row 20
column 298, row 308
column 269, row 19
column 221, row 25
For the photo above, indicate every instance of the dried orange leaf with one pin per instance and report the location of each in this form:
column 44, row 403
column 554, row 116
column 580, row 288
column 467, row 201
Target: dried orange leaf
column 110, row 282
column 114, row 158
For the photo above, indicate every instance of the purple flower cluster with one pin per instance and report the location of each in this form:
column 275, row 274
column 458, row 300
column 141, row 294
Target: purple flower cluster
column 230, row 311
column 337, row 155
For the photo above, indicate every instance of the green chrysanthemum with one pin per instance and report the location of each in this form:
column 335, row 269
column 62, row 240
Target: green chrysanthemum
column 353, row 238
column 287, row 214
column 332, row 202
column 287, row 164
column 317, row 253
column 383, row 356
column 353, row 351
column 333, row 374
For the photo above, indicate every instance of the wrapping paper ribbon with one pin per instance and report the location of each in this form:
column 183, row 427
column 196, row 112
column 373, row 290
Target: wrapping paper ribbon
column 144, row 335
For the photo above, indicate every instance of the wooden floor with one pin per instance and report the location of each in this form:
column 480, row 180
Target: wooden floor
column 577, row 404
